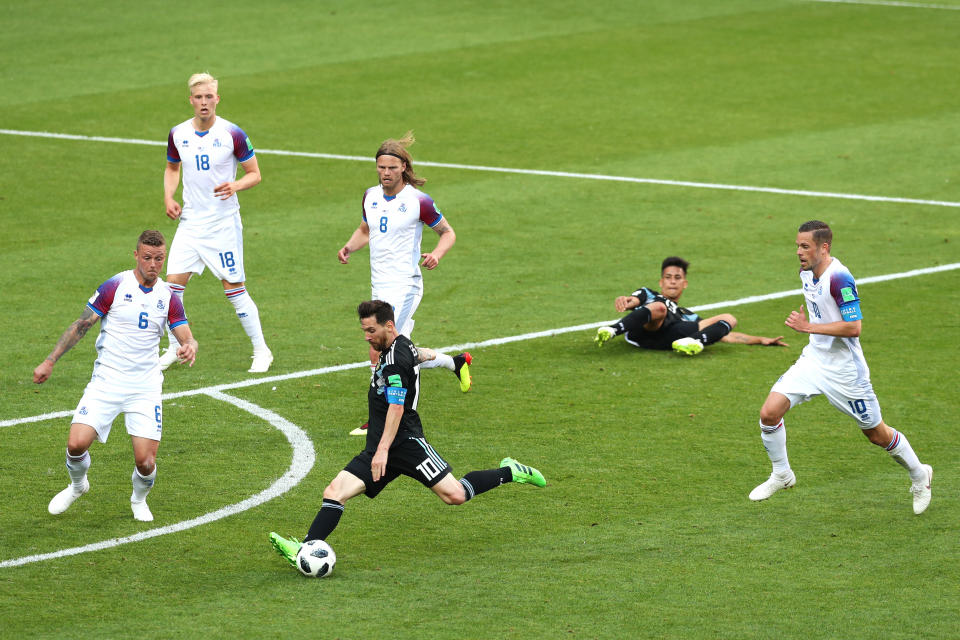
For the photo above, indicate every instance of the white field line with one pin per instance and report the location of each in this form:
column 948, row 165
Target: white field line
column 252, row 382
column 529, row 172
column 891, row 3
column 303, row 460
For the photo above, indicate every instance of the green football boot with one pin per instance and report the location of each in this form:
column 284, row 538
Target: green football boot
column 288, row 548
column 524, row 474
column 461, row 369
column 603, row 334
column 688, row 346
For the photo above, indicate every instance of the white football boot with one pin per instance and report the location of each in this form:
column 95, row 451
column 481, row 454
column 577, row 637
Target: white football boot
column 62, row 501
column 261, row 362
column 141, row 511
column 921, row 491
column 774, row 483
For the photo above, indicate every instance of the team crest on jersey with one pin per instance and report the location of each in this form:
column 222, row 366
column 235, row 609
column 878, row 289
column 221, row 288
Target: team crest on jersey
column 83, row 411
column 160, row 305
column 216, row 143
column 403, row 207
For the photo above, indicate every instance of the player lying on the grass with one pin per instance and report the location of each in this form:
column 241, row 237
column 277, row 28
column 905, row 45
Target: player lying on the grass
column 395, row 442
column 135, row 307
column 831, row 364
column 658, row 322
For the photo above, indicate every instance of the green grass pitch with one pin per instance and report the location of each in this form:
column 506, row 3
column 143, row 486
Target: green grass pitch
column 645, row 529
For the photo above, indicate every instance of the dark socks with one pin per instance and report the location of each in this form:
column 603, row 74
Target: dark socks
column 714, row 332
column 476, row 482
column 326, row 521
column 633, row 321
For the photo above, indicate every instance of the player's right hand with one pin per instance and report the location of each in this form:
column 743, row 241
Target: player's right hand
column 42, row 373
column 343, row 255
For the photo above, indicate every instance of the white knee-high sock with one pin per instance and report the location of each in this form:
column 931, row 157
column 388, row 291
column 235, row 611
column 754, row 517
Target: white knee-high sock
column 442, row 360
column 77, row 468
column 775, row 442
column 901, row 451
column 249, row 316
column 177, row 290
column 142, row 484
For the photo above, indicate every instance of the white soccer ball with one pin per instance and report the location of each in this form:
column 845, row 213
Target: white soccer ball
column 316, row 559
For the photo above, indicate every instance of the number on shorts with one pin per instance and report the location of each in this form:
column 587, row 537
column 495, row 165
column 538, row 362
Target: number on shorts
column 226, row 259
column 159, row 416
column 428, row 469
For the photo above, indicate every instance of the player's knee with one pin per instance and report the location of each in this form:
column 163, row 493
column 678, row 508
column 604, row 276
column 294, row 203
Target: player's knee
column 770, row 415
column 454, row 499
column 730, row 319
column 658, row 311
column 146, row 464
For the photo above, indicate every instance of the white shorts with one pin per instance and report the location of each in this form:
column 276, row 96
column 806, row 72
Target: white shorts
column 404, row 301
column 141, row 410
column 855, row 397
column 218, row 247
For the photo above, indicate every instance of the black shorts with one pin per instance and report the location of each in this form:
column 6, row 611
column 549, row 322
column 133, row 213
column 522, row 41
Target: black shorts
column 664, row 337
column 413, row 457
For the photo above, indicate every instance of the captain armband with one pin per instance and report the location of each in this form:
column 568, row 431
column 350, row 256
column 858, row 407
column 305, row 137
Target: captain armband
column 396, row 395
column 851, row 311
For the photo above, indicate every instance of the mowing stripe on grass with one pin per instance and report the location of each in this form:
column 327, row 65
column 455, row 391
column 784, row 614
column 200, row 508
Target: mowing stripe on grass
column 488, row 343
column 891, row 3
column 303, row 460
column 303, row 454
column 529, row 172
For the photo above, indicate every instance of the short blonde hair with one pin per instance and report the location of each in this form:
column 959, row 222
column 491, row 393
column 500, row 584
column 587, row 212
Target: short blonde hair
column 201, row 78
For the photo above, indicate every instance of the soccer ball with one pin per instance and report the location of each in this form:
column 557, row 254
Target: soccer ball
column 316, row 559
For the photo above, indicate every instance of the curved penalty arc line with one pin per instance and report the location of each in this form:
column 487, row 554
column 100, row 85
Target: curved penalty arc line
column 303, row 460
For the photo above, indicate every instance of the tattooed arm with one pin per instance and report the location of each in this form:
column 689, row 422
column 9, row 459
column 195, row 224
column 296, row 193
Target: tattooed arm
column 70, row 337
column 447, row 238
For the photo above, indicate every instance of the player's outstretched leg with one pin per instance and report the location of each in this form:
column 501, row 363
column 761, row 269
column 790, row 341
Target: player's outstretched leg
column 524, row 474
column 286, row 547
column 604, row 334
column 688, row 346
column 461, row 369
column 921, row 491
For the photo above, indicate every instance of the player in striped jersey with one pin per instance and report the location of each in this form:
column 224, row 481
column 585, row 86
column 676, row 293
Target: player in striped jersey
column 395, row 443
column 208, row 149
column 657, row 321
column 133, row 308
column 832, row 364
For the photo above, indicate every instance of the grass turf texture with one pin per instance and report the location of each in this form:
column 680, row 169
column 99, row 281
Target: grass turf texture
column 644, row 528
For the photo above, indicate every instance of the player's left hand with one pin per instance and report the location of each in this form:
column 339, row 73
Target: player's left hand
column 430, row 261
column 773, row 342
column 225, row 190
column 379, row 465
column 187, row 353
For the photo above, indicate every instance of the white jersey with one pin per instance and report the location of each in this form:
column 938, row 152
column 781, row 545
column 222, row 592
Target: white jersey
column 396, row 228
column 207, row 159
column 132, row 320
column 834, row 298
